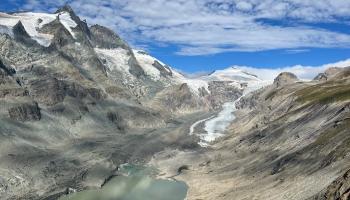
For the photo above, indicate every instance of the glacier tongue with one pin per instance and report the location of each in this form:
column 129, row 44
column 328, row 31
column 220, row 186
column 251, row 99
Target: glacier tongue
column 215, row 127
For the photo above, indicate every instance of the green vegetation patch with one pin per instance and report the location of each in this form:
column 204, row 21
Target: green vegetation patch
column 330, row 135
column 325, row 93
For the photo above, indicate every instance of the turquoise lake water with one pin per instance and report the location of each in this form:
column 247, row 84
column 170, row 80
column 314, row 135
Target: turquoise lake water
column 137, row 185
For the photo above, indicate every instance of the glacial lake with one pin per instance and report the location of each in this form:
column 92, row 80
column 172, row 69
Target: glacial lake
column 137, row 185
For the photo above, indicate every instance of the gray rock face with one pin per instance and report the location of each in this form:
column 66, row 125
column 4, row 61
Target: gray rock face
column 321, row 77
column 164, row 70
column 5, row 73
column 51, row 91
column 5, row 70
column 179, row 99
column 79, row 107
column 338, row 190
column 13, row 92
column 117, row 119
column 222, row 92
column 21, row 35
column 329, row 73
column 105, row 38
column 285, row 78
column 333, row 73
column 25, row 112
column 81, row 25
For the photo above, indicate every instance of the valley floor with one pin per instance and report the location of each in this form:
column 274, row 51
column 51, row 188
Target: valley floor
column 87, row 162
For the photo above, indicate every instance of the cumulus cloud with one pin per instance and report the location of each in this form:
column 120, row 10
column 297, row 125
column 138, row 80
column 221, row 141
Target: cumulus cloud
column 200, row 27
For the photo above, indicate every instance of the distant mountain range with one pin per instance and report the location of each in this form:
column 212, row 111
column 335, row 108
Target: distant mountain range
column 77, row 102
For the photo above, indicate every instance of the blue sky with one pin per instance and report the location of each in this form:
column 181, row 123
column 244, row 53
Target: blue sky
column 204, row 35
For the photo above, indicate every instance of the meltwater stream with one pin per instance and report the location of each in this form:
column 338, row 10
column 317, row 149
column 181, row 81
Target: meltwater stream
column 215, row 126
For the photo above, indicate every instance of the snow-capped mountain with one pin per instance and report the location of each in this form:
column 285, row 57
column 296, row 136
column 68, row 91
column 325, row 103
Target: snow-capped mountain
column 231, row 74
column 117, row 61
column 33, row 22
column 234, row 74
column 102, row 55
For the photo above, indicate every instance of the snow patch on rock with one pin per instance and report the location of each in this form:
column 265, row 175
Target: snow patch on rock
column 32, row 22
column 116, row 59
column 146, row 62
column 67, row 22
column 231, row 74
column 196, row 84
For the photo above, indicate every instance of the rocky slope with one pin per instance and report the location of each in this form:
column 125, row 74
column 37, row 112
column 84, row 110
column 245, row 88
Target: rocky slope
column 76, row 102
column 290, row 140
column 76, row 99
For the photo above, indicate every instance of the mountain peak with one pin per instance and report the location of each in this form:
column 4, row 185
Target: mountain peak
column 285, row 78
column 65, row 8
column 19, row 29
column 233, row 73
column 21, row 34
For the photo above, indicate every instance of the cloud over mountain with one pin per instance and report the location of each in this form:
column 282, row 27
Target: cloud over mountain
column 201, row 27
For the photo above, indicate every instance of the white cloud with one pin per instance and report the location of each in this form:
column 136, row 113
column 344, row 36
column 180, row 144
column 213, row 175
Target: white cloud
column 201, row 27
column 303, row 72
column 244, row 6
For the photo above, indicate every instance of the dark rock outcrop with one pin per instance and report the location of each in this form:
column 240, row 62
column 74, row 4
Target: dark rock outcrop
column 164, row 70
column 5, row 70
column 222, row 92
column 51, row 91
column 117, row 119
column 321, row 77
column 25, row 112
column 102, row 37
column 13, row 92
column 338, row 190
column 61, row 37
column 22, row 36
column 333, row 73
column 81, row 25
column 5, row 73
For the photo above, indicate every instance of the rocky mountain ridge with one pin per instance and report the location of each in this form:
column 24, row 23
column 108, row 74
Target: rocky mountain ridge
column 76, row 102
column 290, row 140
column 65, row 85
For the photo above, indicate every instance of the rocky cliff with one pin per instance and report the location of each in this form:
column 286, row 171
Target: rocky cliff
column 76, row 99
